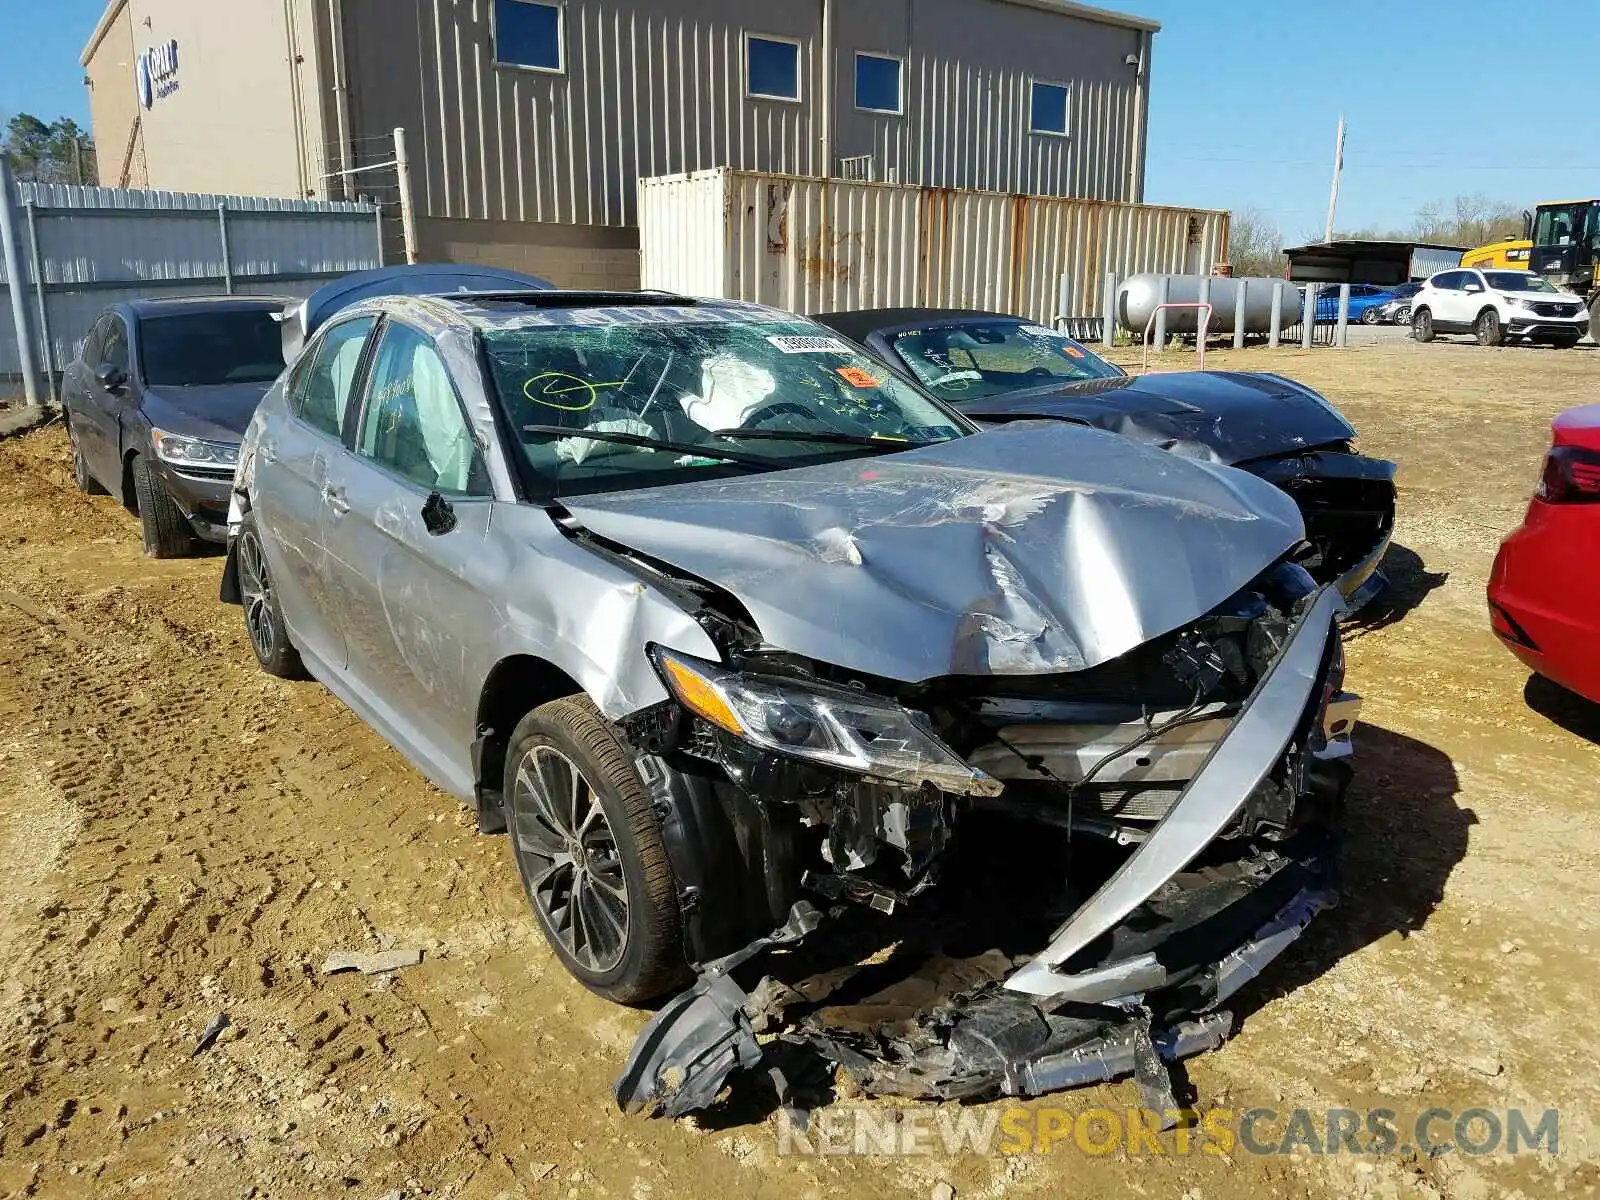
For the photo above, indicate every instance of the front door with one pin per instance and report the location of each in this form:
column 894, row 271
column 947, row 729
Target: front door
column 294, row 457
column 406, row 592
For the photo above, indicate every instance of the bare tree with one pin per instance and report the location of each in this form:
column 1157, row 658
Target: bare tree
column 1255, row 244
column 1470, row 220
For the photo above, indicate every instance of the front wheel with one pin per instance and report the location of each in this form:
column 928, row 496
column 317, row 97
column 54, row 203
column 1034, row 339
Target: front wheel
column 1563, row 343
column 1371, row 317
column 165, row 529
column 1489, row 330
column 1422, row 325
column 589, row 849
column 263, row 617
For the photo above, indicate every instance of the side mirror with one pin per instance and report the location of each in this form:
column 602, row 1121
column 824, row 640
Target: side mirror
column 1473, row 287
column 438, row 517
column 112, row 377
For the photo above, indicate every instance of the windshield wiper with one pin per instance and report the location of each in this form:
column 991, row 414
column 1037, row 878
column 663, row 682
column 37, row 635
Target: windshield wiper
column 753, row 461
column 826, row 438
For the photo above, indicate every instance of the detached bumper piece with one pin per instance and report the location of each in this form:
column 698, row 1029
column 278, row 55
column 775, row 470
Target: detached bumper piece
column 1131, row 982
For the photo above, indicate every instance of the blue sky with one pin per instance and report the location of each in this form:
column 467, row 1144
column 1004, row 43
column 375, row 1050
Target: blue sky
column 1245, row 95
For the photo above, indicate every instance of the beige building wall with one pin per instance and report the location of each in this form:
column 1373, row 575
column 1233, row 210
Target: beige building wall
column 114, row 102
column 592, row 257
column 231, row 124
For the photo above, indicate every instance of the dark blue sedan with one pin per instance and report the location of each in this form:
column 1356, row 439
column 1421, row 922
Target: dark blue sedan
column 1366, row 303
column 157, row 401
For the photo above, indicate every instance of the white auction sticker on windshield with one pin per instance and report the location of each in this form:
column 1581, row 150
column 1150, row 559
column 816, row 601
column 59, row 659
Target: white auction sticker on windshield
column 1039, row 331
column 800, row 344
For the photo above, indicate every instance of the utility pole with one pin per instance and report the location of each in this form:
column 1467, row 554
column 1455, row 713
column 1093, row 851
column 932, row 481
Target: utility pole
column 408, row 218
column 1338, row 168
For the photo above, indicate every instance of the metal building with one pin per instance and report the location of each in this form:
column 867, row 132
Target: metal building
column 530, row 122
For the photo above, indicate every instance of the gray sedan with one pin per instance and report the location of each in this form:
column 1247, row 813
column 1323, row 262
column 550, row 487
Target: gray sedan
column 721, row 618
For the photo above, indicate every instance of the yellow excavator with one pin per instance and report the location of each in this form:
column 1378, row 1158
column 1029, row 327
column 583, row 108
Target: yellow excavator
column 1560, row 241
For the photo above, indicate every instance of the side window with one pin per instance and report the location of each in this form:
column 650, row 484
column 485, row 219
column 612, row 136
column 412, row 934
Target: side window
column 412, row 422
column 93, row 343
column 115, row 348
column 319, row 393
column 1450, row 281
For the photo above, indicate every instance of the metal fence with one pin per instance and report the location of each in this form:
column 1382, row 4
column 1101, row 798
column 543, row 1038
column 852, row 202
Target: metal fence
column 79, row 249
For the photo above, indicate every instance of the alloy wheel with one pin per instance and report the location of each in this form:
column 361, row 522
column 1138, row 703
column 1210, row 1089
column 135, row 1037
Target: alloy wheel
column 255, row 588
column 570, row 861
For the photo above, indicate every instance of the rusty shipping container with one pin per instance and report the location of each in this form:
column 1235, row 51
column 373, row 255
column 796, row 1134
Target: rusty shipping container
column 816, row 245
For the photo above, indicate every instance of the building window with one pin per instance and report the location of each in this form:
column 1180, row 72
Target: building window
column 878, row 83
column 772, row 68
column 1049, row 109
column 527, row 34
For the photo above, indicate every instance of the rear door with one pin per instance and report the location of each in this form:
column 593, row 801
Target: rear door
column 102, row 430
column 293, row 458
column 1448, row 301
column 81, row 393
column 413, row 617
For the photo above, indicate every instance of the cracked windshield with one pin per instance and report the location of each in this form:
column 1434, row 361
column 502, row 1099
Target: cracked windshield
column 599, row 408
column 971, row 361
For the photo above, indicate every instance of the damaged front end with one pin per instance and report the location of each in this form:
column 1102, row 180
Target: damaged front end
column 1165, row 823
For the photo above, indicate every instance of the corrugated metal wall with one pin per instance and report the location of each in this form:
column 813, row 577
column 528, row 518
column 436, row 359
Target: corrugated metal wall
column 647, row 92
column 815, row 245
column 100, row 246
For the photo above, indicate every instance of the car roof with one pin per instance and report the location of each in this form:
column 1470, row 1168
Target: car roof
column 168, row 306
column 860, row 324
column 570, row 307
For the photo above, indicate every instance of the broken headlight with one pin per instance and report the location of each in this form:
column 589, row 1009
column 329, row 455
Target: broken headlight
column 853, row 731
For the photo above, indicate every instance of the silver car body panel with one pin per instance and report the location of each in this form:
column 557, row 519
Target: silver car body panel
column 1213, row 798
column 954, row 560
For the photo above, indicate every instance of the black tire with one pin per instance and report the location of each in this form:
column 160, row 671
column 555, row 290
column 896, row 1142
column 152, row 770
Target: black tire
column 1371, row 316
column 1563, row 343
column 1402, row 316
column 1488, row 329
column 81, row 475
column 263, row 617
column 166, row 530
column 1422, row 325
column 571, row 788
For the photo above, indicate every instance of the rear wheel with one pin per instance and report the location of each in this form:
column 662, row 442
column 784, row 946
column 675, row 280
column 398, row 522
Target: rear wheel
column 80, row 466
column 1489, row 330
column 166, row 530
column 589, row 849
column 263, row 618
column 1422, row 325
column 1402, row 316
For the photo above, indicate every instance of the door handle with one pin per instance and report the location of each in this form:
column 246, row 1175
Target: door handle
column 266, row 452
column 333, row 497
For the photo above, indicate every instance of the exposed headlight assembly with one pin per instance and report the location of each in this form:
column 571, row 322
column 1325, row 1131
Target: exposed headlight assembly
column 853, row 731
column 1517, row 302
column 193, row 452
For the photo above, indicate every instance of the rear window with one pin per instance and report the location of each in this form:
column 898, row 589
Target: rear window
column 210, row 348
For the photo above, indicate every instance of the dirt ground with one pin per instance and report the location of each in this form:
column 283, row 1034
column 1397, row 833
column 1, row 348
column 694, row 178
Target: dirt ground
column 183, row 836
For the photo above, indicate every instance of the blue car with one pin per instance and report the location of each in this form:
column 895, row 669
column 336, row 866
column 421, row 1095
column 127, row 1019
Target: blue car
column 1366, row 303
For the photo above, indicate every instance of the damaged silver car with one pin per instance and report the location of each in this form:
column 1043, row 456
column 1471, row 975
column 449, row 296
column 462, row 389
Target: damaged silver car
column 967, row 763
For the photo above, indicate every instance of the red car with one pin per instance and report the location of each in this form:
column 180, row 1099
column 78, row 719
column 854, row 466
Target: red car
column 1544, row 593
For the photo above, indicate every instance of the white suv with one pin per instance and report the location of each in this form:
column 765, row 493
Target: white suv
column 1496, row 305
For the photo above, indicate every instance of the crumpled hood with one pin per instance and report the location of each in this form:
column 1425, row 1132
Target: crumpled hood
column 1232, row 415
column 219, row 413
column 1036, row 548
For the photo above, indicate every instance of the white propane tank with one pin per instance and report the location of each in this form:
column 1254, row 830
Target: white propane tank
column 1138, row 296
